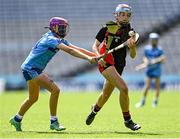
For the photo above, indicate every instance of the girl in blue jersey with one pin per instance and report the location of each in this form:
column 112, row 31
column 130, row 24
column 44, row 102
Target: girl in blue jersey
column 154, row 56
column 33, row 66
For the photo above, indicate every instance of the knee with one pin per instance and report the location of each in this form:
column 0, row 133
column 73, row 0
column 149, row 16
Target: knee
column 56, row 91
column 147, row 87
column 33, row 99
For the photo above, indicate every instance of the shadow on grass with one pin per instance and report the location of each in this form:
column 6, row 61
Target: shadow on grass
column 95, row 132
column 137, row 133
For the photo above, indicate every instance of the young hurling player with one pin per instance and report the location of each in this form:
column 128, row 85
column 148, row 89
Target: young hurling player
column 111, row 66
column 33, row 67
column 153, row 71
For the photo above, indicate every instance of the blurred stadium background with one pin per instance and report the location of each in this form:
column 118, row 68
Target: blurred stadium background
column 22, row 22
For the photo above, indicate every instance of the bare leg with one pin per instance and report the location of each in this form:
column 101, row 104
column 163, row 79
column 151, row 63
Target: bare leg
column 105, row 94
column 44, row 81
column 114, row 78
column 157, row 86
column 147, row 86
column 157, row 91
column 33, row 88
column 145, row 92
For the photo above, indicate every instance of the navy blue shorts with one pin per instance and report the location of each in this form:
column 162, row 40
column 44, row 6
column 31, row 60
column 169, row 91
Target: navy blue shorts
column 152, row 76
column 31, row 74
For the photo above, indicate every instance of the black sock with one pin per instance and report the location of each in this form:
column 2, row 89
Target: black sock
column 126, row 116
column 52, row 121
column 96, row 108
column 17, row 119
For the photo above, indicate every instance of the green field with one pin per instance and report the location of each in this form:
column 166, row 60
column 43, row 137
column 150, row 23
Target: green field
column 160, row 122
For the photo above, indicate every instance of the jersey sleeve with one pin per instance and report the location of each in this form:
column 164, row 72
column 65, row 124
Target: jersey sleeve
column 53, row 42
column 101, row 34
column 65, row 42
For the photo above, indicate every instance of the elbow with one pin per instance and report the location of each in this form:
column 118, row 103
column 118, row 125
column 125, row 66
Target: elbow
column 94, row 48
column 71, row 51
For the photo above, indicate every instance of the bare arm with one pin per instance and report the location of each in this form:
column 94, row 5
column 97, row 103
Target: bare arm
column 160, row 59
column 75, row 52
column 147, row 62
column 82, row 50
column 132, row 47
column 95, row 47
column 133, row 52
column 142, row 65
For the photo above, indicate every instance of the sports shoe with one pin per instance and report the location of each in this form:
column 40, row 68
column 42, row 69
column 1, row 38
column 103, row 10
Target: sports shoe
column 56, row 126
column 140, row 104
column 154, row 104
column 91, row 116
column 131, row 125
column 16, row 124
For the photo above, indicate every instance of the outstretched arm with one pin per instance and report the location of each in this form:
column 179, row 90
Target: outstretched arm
column 75, row 52
column 82, row 50
column 160, row 59
column 142, row 65
column 147, row 62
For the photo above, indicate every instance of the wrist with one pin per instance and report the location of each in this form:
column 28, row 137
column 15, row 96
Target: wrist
column 89, row 58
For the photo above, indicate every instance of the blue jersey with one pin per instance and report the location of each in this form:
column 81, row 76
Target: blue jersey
column 151, row 53
column 43, row 52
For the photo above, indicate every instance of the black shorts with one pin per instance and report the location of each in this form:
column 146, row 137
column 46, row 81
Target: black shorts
column 119, row 69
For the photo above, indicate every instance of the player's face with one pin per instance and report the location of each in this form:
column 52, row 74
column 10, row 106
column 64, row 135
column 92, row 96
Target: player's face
column 123, row 17
column 154, row 42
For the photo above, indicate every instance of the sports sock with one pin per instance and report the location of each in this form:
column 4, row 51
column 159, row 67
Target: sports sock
column 155, row 101
column 143, row 100
column 96, row 108
column 126, row 116
column 18, row 118
column 53, row 119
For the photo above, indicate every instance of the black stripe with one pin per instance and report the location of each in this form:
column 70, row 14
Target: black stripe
column 39, row 71
column 26, row 75
column 111, row 34
column 54, row 50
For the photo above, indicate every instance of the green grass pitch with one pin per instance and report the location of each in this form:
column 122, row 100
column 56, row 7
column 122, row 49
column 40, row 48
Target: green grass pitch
column 160, row 122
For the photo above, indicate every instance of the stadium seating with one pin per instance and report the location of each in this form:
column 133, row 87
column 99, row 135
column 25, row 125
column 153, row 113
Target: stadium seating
column 22, row 22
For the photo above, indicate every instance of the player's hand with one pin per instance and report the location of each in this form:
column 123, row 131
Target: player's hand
column 102, row 62
column 131, row 42
column 93, row 60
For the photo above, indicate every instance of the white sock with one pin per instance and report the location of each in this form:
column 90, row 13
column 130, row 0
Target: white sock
column 53, row 118
column 19, row 116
